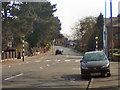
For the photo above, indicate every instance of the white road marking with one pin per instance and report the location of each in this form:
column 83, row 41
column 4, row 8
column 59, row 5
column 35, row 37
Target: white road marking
column 27, row 62
column 57, row 60
column 9, row 66
column 48, row 60
column 72, row 80
column 14, row 76
column 19, row 63
column 76, row 68
column 67, row 60
column 77, row 60
column 48, row 65
column 41, row 67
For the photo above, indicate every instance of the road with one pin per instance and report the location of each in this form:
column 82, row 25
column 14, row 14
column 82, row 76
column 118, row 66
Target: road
column 55, row 71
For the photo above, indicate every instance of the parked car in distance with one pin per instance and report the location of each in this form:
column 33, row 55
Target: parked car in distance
column 95, row 63
column 114, row 52
column 59, row 51
column 116, row 56
column 117, row 53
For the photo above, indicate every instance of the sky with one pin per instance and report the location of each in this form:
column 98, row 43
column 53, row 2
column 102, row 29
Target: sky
column 71, row 11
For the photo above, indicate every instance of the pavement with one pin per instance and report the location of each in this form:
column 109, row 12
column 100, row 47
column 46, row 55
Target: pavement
column 26, row 58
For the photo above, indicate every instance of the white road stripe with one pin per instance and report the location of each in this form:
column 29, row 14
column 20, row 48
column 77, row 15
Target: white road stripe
column 41, row 67
column 14, row 76
column 77, row 60
column 67, row 60
column 57, row 60
column 48, row 65
column 76, row 68
column 48, row 60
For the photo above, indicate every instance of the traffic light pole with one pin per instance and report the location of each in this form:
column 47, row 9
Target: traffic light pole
column 96, row 47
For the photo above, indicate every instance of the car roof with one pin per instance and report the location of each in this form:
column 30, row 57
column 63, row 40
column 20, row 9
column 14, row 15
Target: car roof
column 93, row 52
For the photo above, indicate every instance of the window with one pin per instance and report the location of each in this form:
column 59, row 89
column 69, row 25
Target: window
column 95, row 56
column 117, row 36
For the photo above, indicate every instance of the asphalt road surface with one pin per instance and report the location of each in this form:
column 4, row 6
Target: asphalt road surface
column 55, row 71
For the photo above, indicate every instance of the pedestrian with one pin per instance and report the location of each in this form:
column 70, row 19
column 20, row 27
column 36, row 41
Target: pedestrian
column 44, row 49
column 31, row 51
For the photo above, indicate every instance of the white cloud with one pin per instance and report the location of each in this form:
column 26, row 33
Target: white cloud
column 70, row 11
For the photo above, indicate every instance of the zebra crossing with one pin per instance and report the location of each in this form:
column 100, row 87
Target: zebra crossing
column 66, row 60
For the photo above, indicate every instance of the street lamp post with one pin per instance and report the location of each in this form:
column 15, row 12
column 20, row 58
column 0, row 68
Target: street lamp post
column 105, row 48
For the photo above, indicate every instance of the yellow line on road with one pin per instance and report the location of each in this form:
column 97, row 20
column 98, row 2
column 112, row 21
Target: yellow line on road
column 90, row 86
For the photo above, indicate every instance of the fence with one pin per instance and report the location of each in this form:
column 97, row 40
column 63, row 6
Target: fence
column 15, row 54
column 11, row 54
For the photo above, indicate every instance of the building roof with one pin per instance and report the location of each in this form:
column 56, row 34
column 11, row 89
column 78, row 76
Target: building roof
column 115, row 22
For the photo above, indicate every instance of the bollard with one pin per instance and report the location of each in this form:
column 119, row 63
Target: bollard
column 10, row 54
column 13, row 55
column 16, row 53
column 7, row 55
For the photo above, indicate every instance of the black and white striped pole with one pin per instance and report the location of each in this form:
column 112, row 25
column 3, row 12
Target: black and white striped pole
column 96, row 43
column 23, row 50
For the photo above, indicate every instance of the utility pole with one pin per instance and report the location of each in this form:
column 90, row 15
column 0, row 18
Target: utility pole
column 111, row 30
column 105, row 31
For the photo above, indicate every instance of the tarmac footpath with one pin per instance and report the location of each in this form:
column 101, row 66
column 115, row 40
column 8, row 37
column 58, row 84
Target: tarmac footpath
column 26, row 59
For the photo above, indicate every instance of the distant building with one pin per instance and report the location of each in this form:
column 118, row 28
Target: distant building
column 116, row 32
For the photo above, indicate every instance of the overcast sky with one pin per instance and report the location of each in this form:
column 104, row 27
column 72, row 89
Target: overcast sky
column 70, row 11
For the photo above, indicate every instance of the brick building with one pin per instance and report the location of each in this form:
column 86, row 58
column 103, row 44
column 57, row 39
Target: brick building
column 116, row 32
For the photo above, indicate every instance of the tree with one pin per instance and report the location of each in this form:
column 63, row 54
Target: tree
column 8, row 18
column 46, row 26
column 35, row 21
column 97, row 31
column 84, row 31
